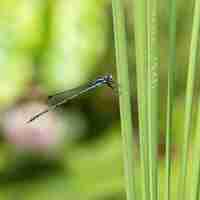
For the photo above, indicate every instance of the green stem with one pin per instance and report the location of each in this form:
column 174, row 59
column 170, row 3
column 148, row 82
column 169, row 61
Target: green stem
column 125, row 104
column 194, row 189
column 189, row 98
column 170, row 92
column 141, row 70
column 152, row 98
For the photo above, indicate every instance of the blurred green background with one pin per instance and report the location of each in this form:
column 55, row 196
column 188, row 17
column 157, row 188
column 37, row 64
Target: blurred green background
column 75, row 152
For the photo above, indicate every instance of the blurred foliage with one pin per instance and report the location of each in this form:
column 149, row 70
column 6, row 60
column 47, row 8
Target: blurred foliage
column 48, row 46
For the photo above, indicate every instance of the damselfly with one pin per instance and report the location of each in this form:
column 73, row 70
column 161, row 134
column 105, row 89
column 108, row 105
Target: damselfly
column 62, row 97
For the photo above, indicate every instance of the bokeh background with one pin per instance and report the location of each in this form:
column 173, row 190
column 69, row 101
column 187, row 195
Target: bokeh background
column 74, row 152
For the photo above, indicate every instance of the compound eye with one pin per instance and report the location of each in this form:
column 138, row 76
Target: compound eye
column 110, row 77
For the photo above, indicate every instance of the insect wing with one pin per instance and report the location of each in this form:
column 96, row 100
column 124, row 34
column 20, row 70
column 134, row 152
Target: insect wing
column 64, row 96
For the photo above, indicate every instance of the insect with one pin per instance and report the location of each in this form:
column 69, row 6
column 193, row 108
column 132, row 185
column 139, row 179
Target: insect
column 62, row 97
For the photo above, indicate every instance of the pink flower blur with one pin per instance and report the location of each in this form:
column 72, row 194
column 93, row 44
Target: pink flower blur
column 43, row 134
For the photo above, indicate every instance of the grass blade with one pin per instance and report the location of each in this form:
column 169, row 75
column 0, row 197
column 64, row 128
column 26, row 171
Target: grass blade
column 194, row 189
column 152, row 97
column 189, row 99
column 170, row 92
column 141, row 71
column 125, row 104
